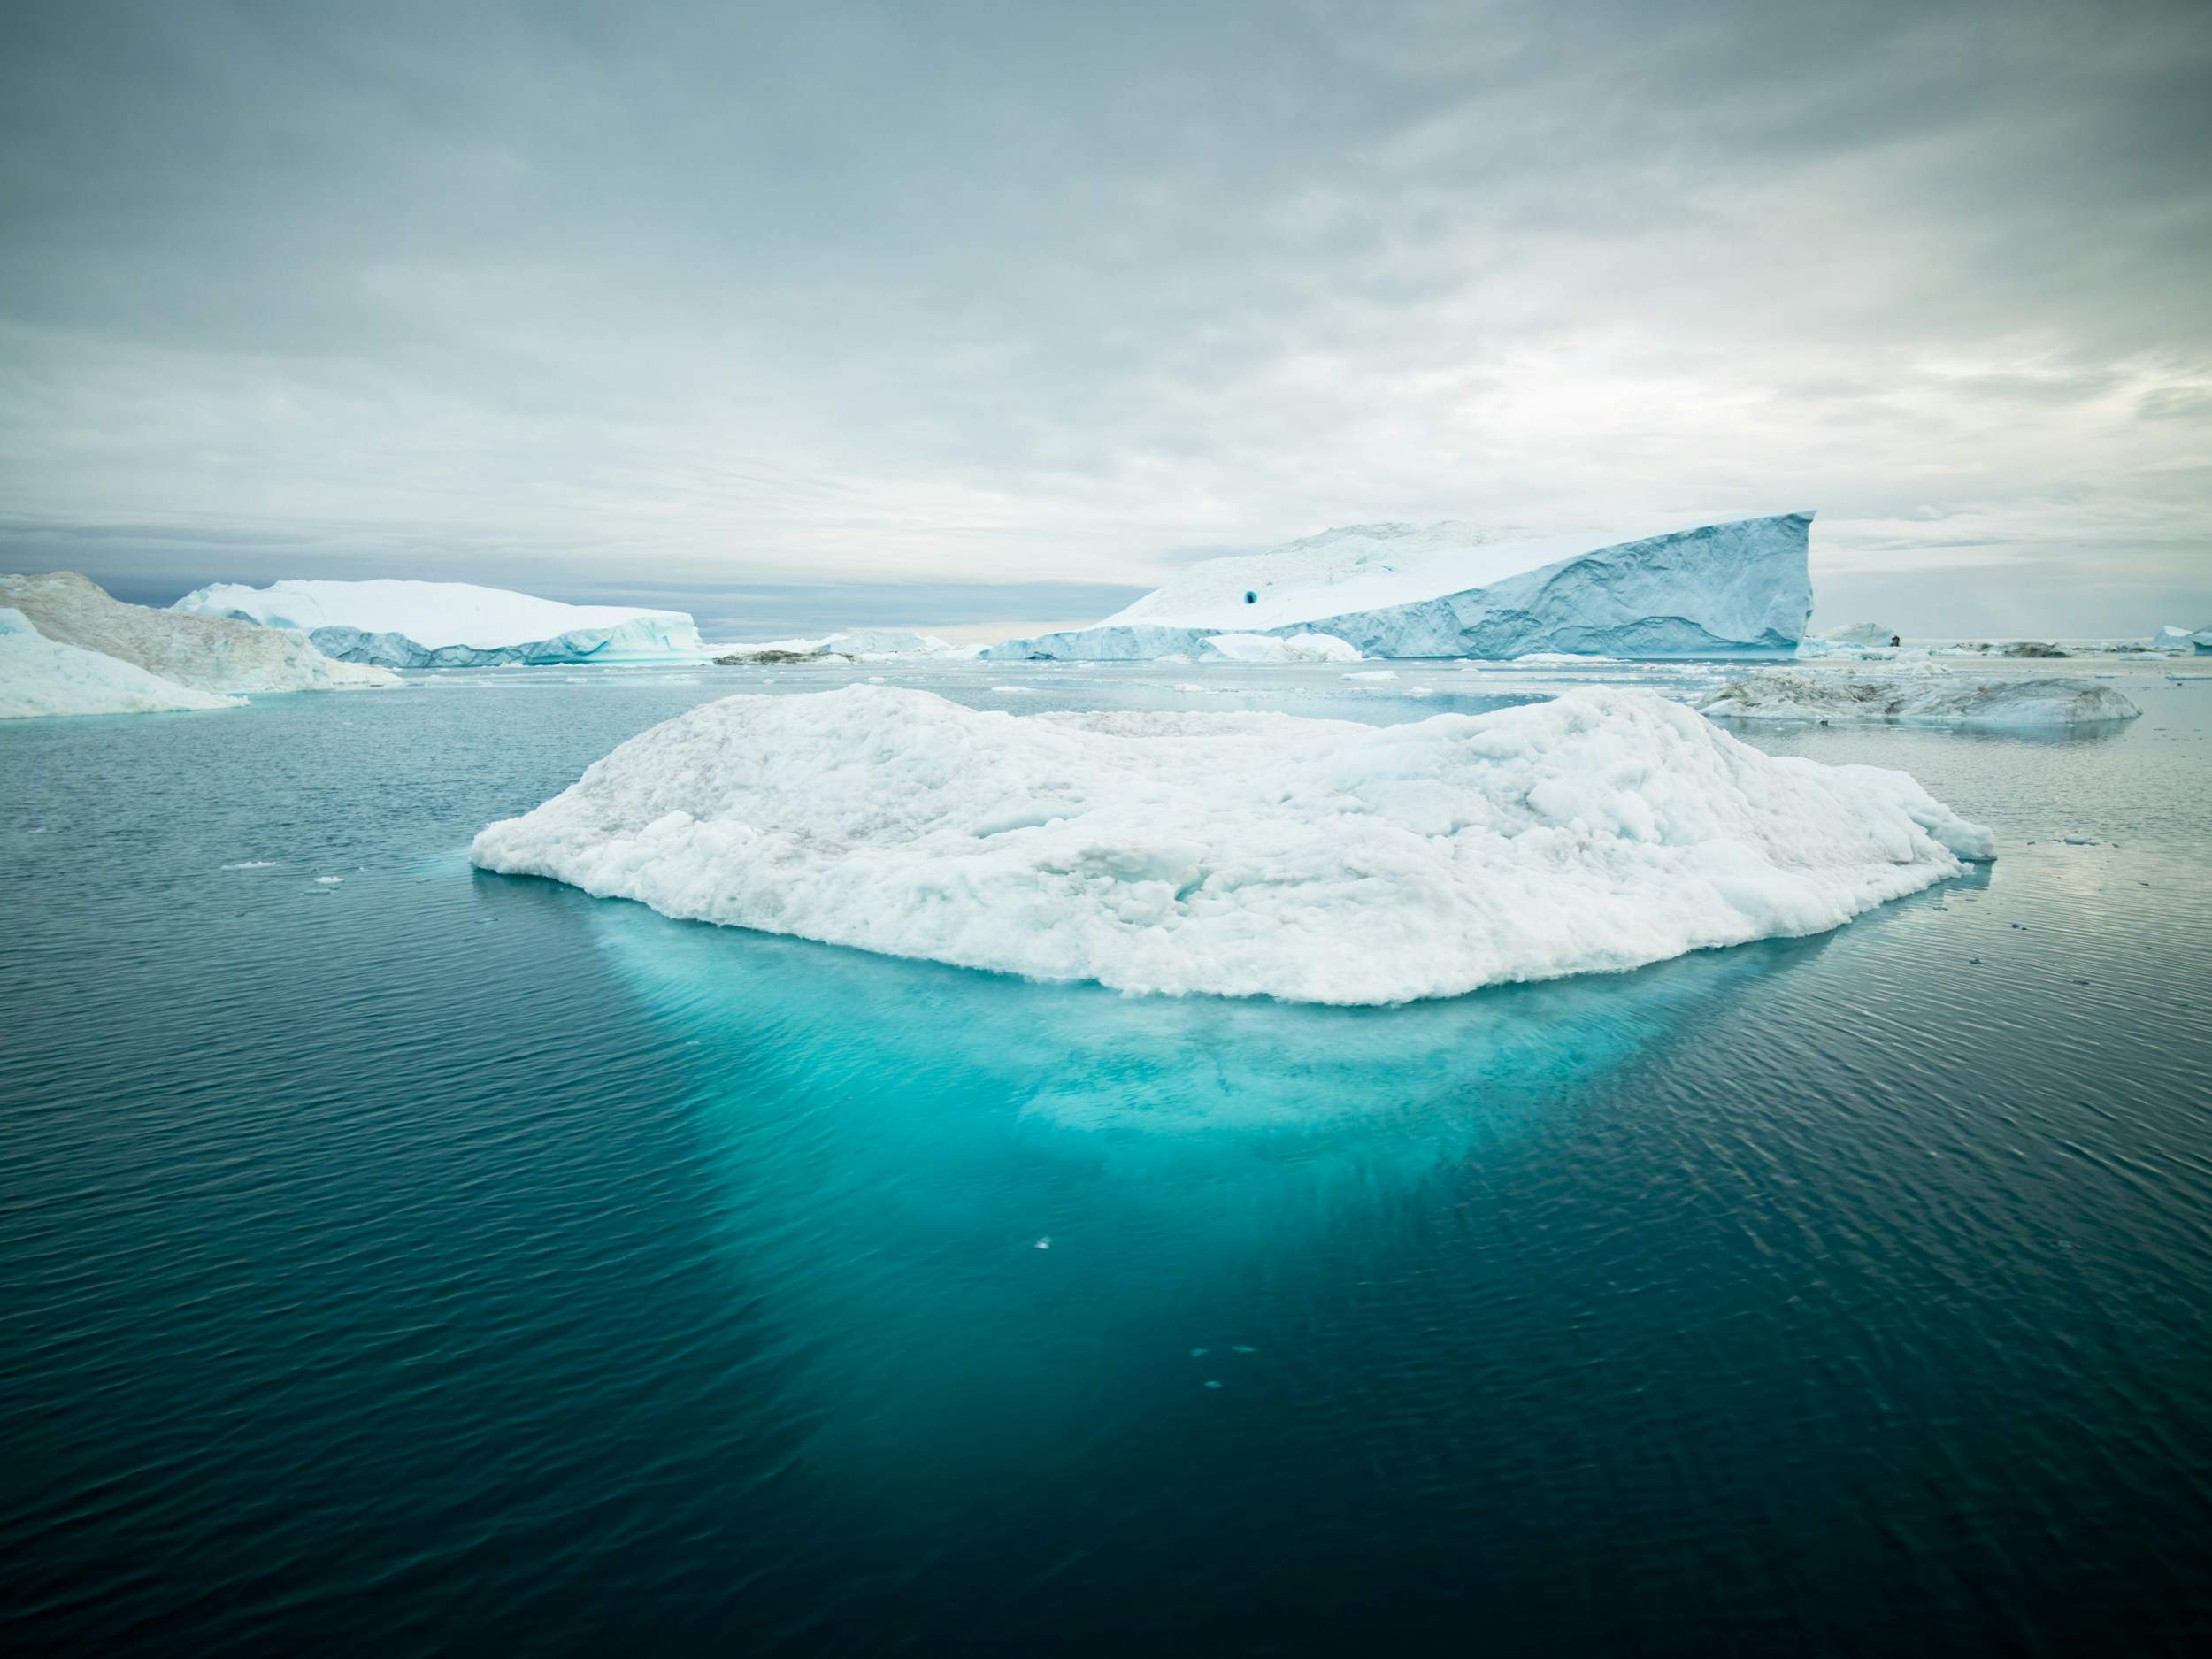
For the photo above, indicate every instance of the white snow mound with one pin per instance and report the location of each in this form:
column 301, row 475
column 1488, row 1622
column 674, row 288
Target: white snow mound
column 206, row 653
column 1236, row 853
column 1922, row 698
column 39, row 676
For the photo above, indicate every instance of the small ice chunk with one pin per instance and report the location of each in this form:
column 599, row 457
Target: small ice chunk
column 328, row 881
column 1045, row 1243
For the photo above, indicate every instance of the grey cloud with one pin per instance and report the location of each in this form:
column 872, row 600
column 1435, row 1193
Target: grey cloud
column 650, row 297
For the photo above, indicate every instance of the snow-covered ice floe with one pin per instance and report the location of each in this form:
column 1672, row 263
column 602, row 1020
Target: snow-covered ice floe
column 452, row 624
column 1740, row 588
column 205, row 653
column 1925, row 697
column 1241, row 854
column 39, row 676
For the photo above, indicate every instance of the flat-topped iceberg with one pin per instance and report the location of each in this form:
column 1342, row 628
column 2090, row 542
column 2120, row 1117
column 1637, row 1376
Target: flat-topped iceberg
column 39, row 677
column 205, row 653
column 1740, row 588
column 452, row 624
column 1930, row 698
column 1237, row 854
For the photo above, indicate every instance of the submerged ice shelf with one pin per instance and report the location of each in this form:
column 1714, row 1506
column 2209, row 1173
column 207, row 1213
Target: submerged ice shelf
column 1237, row 854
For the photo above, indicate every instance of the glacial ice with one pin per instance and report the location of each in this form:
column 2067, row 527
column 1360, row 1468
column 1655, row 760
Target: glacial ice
column 39, row 676
column 2173, row 639
column 1266, row 647
column 206, row 653
column 452, row 624
column 1735, row 588
column 1934, row 697
column 1241, row 853
column 858, row 645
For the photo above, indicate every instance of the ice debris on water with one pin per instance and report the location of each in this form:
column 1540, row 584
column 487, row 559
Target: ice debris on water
column 328, row 881
column 1044, row 1243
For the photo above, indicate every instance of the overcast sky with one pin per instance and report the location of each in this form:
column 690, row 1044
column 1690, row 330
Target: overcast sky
column 976, row 313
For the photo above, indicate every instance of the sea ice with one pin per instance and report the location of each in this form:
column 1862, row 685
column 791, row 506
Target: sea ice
column 39, row 676
column 1447, row 590
column 1925, row 697
column 1242, row 853
column 452, row 624
column 206, row 653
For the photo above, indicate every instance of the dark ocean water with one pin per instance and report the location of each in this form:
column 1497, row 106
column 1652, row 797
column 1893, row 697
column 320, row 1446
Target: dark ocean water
column 439, row 1262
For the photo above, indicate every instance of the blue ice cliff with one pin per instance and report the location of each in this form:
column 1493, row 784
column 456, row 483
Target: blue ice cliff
column 1739, row 589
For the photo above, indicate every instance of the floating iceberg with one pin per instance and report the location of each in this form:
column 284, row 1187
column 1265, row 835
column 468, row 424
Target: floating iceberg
column 1236, row 853
column 452, row 624
column 206, row 653
column 1857, row 634
column 2173, row 639
column 860, row 645
column 39, row 676
column 1397, row 590
column 1925, row 698
column 1265, row 647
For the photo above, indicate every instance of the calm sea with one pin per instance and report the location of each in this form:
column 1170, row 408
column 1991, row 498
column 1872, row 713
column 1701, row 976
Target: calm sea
column 426, row 1261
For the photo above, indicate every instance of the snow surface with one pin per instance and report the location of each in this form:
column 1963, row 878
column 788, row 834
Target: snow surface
column 452, row 624
column 1265, row 647
column 1243, row 854
column 1447, row 590
column 206, row 653
column 1928, row 697
column 39, row 676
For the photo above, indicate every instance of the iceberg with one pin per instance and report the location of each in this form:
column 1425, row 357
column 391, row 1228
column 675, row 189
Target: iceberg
column 1265, row 647
column 205, row 653
column 39, row 677
column 1937, row 697
column 451, row 625
column 860, row 645
column 1239, row 854
column 2173, row 639
column 1736, row 588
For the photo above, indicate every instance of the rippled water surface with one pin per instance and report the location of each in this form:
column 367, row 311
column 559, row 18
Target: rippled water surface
column 426, row 1260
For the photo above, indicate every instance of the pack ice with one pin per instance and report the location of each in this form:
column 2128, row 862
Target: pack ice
column 1242, row 853
column 1928, row 697
column 39, row 676
column 205, row 653
column 452, row 624
column 1740, row 588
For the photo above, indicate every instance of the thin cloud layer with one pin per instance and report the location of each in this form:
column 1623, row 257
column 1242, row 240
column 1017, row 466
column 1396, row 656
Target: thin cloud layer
column 711, row 299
